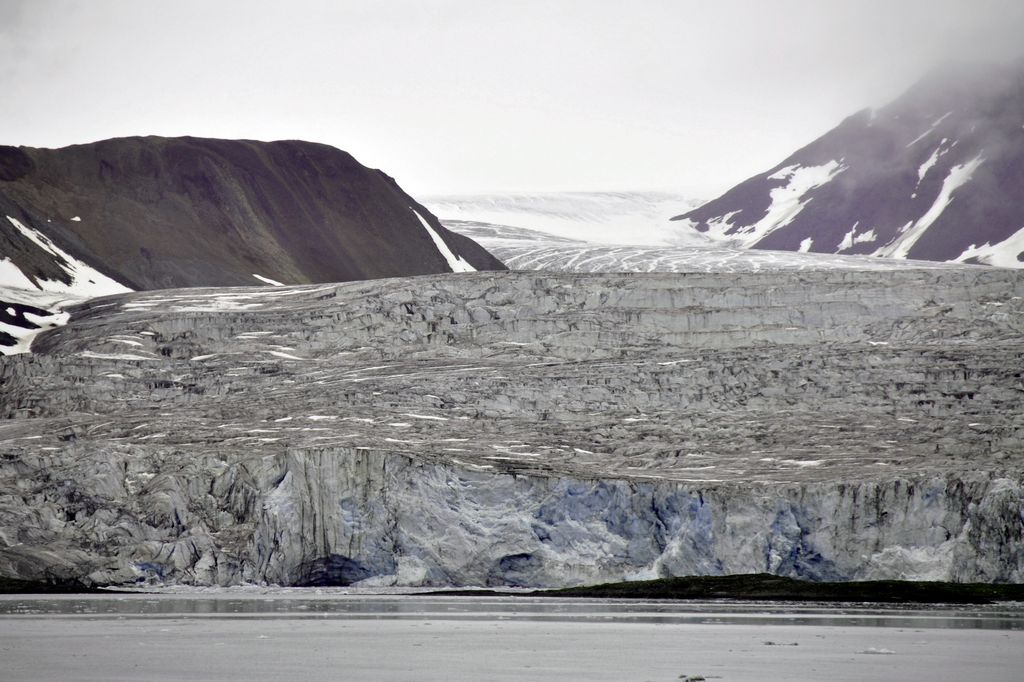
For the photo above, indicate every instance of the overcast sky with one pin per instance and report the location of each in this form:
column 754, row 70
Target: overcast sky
column 459, row 96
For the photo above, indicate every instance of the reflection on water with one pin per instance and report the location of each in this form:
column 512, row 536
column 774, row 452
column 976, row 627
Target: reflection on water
column 310, row 604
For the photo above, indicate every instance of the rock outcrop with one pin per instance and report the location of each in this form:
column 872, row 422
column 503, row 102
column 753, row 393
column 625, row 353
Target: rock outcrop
column 524, row 429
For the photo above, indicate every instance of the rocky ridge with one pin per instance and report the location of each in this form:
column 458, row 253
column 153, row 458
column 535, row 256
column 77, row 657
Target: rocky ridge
column 524, row 429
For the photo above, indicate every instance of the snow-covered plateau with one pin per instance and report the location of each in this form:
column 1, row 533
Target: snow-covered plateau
column 598, row 217
column 523, row 428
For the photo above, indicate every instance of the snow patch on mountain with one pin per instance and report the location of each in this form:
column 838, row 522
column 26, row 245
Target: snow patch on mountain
column 456, row 263
column 932, row 160
column 787, row 202
column 267, row 280
column 86, row 281
column 1008, row 253
column 851, row 238
column 719, row 227
column 930, row 130
column 12, row 276
column 957, row 177
column 32, row 305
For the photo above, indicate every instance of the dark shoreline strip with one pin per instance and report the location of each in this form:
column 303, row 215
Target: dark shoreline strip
column 765, row 587
column 751, row 587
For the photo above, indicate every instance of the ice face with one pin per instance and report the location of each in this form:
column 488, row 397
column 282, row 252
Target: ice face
column 526, row 429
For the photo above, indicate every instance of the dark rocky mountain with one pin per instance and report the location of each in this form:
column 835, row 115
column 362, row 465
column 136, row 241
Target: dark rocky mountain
column 152, row 212
column 937, row 174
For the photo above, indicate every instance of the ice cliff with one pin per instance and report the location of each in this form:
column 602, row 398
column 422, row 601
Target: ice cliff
column 524, row 429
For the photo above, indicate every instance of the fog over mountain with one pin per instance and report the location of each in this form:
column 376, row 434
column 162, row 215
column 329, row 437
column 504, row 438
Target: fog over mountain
column 456, row 96
column 935, row 175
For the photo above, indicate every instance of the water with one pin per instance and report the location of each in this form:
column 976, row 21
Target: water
column 337, row 635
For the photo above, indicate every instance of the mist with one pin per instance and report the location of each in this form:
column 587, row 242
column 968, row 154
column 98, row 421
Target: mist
column 456, row 96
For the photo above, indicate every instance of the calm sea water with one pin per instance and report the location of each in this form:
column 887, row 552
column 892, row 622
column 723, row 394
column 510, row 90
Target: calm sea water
column 339, row 635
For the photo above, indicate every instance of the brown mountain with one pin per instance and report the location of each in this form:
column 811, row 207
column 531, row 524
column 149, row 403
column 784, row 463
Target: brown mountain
column 153, row 212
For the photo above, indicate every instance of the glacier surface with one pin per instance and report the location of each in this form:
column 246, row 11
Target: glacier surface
column 524, row 429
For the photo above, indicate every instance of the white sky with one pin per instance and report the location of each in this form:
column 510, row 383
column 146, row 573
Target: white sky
column 458, row 96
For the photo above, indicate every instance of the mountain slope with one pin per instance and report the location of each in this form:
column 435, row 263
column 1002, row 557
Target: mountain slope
column 151, row 212
column 935, row 175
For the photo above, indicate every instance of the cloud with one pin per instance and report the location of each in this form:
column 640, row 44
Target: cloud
column 460, row 95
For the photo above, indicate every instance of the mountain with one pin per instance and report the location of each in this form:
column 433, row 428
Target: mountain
column 600, row 217
column 937, row 175
column 151, row 213
column 522, row 428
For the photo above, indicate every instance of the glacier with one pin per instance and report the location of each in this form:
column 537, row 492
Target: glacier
column 524, row 428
